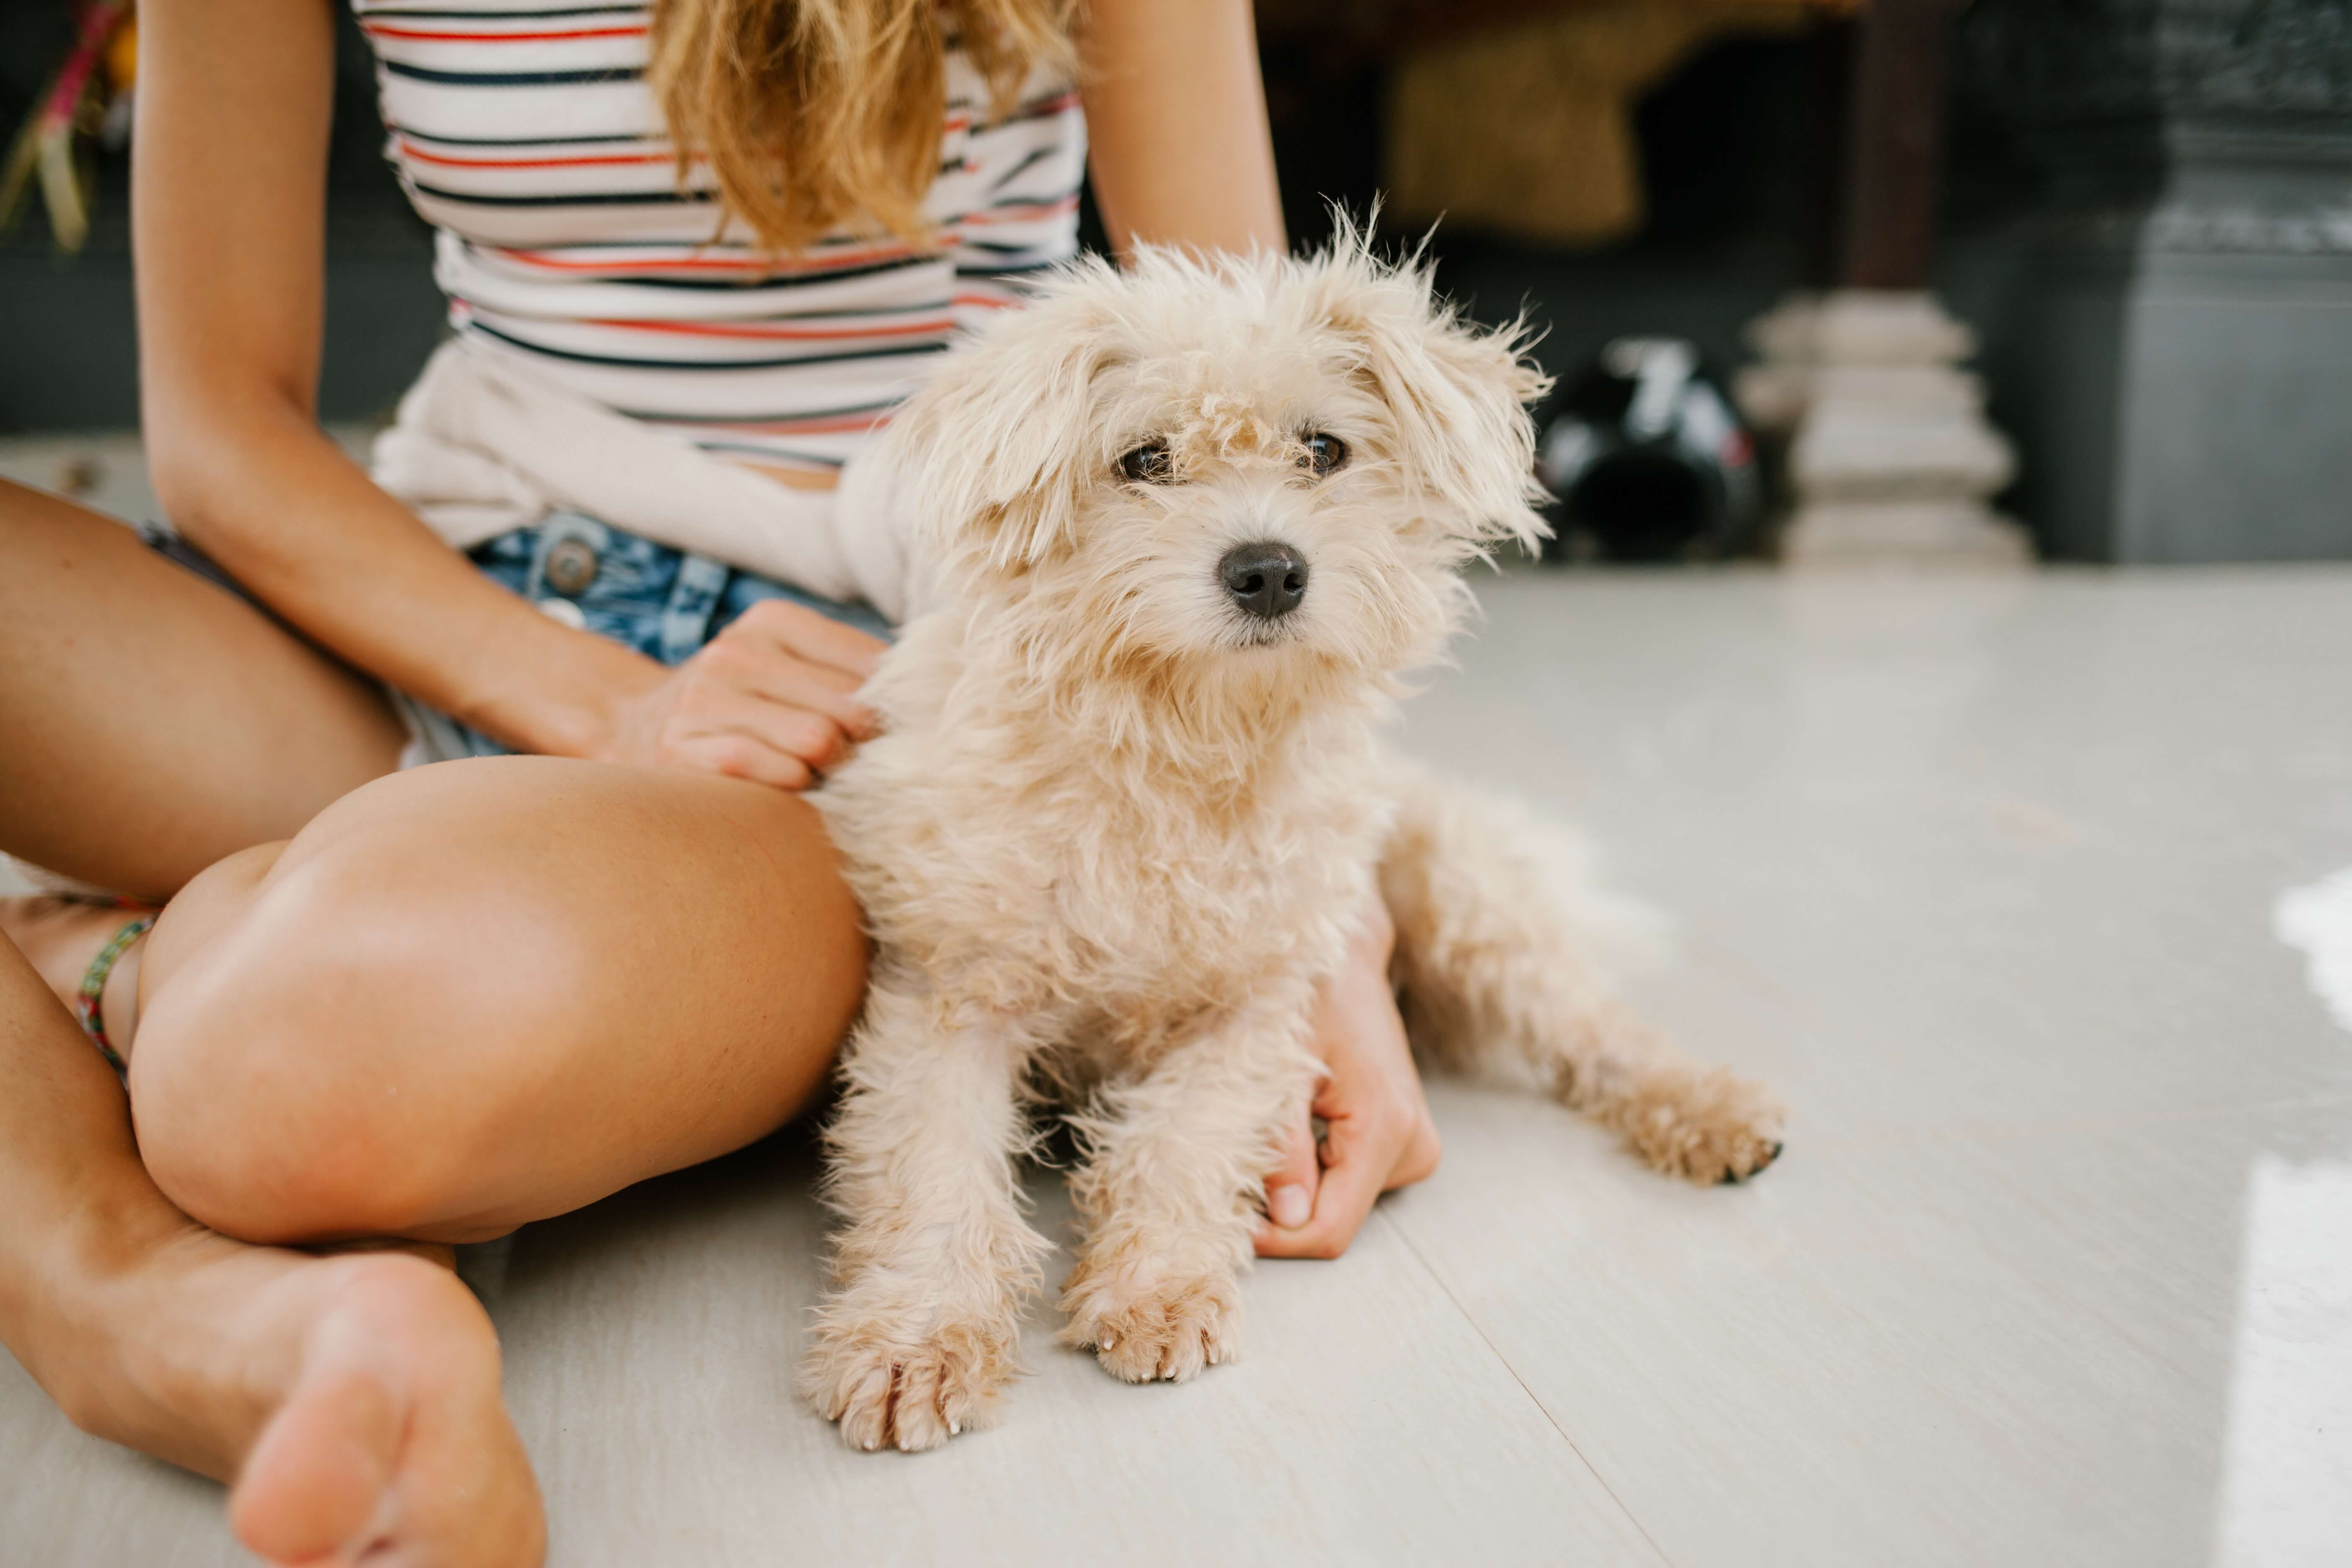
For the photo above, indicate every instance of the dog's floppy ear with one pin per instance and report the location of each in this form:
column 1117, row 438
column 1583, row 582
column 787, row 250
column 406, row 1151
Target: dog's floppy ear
column 1459, row 393
column 995, row 449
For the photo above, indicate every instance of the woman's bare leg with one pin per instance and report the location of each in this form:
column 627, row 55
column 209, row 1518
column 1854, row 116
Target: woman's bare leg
column 152, row 1331
column 522, row 950
column 150, row 724
column 463, row 998
column 488, row 992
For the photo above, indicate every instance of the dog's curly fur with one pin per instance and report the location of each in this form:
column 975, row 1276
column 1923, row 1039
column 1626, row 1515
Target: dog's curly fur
column 1117, row 829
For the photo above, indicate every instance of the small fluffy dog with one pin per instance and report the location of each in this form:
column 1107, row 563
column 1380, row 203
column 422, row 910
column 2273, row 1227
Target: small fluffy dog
column 1192, row 520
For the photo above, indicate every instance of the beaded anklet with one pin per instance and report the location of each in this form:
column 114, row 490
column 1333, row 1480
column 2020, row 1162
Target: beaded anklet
column 93, row 986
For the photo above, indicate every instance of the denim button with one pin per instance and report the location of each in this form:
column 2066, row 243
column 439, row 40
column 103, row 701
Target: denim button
column 571, row 566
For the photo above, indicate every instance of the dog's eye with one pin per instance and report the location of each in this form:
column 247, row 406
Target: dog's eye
column 1149, row 464
column 1325, row 452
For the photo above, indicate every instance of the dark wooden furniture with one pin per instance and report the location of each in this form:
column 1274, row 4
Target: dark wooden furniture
column 1882, row 88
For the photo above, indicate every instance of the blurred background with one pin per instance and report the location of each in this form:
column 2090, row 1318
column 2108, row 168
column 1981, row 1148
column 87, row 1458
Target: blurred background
column 2030, row 888
column 2065, row 279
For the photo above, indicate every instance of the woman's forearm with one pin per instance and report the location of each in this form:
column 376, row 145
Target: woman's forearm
column 228, row 187
column 258, row 487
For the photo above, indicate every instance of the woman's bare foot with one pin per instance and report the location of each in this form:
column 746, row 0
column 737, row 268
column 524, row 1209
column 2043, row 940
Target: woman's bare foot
column 353, row 1401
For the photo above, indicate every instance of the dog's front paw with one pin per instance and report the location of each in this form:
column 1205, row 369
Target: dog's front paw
column 1143, row 1329
column 1711, row 1127
column 914, row 1391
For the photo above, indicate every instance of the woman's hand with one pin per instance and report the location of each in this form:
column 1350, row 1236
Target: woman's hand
column 772, row 698
column 1379, row 1134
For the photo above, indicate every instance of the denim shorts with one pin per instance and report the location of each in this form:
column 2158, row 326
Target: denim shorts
column 663, row 602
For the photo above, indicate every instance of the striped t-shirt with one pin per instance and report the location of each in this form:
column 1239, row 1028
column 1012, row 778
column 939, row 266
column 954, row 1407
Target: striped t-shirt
column 525, row 132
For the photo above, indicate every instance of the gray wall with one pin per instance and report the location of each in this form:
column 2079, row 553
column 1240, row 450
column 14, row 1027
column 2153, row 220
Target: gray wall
column 68, row 337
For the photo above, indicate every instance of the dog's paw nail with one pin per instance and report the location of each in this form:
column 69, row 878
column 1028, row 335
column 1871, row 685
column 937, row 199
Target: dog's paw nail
column 1775, row 1153
column 889, row 1393
column 1168, row 1330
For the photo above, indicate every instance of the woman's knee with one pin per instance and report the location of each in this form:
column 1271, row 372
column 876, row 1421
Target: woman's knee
column 481, row 993
column 302, row 1068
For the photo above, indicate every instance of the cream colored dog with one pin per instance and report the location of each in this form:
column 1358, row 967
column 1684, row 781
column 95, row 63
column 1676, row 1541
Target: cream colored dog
column 1193, row 520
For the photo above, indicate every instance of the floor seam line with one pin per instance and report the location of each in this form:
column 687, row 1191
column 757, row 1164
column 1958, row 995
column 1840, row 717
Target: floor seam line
column 1537, row 1400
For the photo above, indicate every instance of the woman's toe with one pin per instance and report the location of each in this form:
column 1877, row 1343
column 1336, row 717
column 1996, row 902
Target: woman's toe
column 394, row 1442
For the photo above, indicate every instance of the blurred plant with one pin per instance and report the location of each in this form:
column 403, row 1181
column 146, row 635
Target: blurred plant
column 88, row 100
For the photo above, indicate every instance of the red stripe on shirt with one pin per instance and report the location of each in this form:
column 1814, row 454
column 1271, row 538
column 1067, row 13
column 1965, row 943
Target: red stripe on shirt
column 719, row 330
column 409, row 149
column 848, row 425
column 771, row 265
column 1020, row 213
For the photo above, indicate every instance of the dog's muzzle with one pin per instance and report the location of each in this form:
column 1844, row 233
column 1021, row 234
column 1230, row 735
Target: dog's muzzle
column 1266, row 579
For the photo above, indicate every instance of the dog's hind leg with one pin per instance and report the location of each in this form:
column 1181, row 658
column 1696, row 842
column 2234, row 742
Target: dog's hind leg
column 930, row 1272
column 1503, row 944
column 1169, row 1189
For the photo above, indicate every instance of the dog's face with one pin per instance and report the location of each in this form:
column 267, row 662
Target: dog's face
column 1256, row 468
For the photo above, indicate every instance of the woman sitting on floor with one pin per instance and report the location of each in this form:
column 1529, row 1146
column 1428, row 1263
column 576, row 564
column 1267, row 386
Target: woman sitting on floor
column 436, row 1004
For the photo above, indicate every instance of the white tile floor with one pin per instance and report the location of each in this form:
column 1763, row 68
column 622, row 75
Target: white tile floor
column 2058, row 1268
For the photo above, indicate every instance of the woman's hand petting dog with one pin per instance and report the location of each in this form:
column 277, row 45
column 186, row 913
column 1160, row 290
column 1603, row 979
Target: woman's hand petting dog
column 772, row 698
column 1378, row 1132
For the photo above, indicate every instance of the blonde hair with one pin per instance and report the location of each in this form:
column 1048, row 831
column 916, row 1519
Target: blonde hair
column 816, row 113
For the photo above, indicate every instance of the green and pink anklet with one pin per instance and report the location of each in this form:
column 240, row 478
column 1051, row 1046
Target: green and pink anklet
column 93, row 987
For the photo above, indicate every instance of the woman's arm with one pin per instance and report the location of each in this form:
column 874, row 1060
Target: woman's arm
column 229, row 193
column 229, row 207
column 1176, row 121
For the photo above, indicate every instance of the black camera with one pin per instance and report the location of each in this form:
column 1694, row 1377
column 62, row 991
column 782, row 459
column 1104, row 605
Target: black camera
column 1646, row 459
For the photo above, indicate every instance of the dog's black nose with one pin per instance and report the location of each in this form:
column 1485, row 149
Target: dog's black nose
column 1264, row 578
